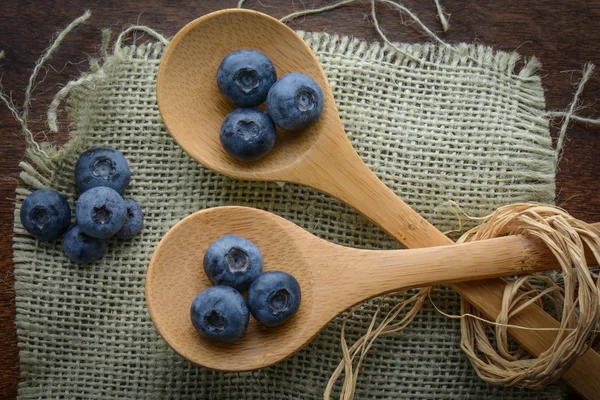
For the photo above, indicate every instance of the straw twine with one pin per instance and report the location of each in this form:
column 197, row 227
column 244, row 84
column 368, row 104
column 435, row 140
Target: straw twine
column 576, row 302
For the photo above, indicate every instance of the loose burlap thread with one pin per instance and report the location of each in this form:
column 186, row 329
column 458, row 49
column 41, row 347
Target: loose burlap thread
column 474, row 133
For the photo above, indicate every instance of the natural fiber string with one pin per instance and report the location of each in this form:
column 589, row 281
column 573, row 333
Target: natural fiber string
column 577, row 304
column 52, row 113
column 405, row 10
column 46, row 56
column 389, row 324
column 493, row 323
column 562, row 114
column 303, row 13
column 588, row 69
column 22, row 117
column 392, row 4
column 139, row 28
column 99, row 75
column 384, row 37
column 105, row 43
column 442, row 15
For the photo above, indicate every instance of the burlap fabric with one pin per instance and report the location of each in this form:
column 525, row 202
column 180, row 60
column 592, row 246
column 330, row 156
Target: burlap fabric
column 448, row 129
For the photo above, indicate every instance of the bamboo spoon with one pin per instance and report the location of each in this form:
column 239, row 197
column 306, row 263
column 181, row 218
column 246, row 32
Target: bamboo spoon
column 332, row 279
column 321, row 157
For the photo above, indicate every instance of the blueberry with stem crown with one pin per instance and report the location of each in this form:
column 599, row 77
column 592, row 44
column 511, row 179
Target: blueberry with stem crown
column 45, row 214
column 102, row 166
column 247, row 134
column 233, row 261
column 245, row 77
column 274, row 297
column 100, row 212
column 295, row 102
column 219, row 313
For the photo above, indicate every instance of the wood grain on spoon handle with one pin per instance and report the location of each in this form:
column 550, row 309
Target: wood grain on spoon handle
column 393, row 270
column 363, row 274
column 356, row 185
column 345, row 176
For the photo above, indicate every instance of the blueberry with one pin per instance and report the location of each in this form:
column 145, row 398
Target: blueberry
column 220, row 313
column 81, row 248
column 233, row 261
column 295, row 102
column 102, row 166
column 100, row 212
column 274, row 297
column 245, row 77
column 45, row 214
column 135, row 220
column 248, row 134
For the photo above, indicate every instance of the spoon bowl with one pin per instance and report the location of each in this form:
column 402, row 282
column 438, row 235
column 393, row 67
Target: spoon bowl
column 193, row 108
column 332, row 278
column 176, row 276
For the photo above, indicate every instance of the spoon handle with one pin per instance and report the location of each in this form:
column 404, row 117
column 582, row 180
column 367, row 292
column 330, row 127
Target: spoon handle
column 362, row 274
column 350, row 180
column 344, row 176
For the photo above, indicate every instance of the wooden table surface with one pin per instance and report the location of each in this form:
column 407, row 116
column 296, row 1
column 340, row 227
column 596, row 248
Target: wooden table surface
column 563, row 34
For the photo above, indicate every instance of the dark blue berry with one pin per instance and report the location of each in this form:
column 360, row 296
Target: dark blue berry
column 295, row 102
column 245, row 77
column 274, row 297
column 248, row 134
column 233, row 261
column 100, row 212
column 45, row 214
column 102, row 166
column 135, row 220
column 81, row 248
column 220, row 313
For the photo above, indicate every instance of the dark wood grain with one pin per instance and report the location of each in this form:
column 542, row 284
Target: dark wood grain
column 563, row 34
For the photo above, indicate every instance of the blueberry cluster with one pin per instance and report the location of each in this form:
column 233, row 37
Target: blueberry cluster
column 234, row 265
column 101, row 174
column 247, row 78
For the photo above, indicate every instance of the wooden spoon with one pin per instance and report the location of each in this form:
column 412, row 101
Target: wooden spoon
column 332, row 279
column 321, row 157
